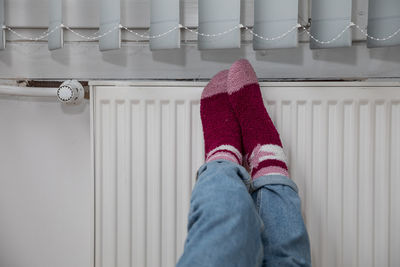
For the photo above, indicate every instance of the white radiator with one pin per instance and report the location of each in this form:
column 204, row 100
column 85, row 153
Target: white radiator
column 343, row 145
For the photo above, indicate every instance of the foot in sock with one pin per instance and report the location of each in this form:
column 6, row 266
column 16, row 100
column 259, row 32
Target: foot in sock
column 222, row 137
column 261, row 142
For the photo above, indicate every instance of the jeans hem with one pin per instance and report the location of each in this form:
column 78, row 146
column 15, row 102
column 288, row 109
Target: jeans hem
column 244, row 175
column 274, row 179
column 252, row 185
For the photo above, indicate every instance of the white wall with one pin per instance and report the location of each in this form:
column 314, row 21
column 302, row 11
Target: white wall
column 46, row 190
column 81, row 59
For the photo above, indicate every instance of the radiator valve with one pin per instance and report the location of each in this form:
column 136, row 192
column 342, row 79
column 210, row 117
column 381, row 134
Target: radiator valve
column 71, row 92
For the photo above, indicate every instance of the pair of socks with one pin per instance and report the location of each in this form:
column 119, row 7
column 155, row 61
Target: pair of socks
column 236, row 123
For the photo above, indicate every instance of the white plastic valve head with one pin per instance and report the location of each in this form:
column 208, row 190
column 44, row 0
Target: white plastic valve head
column 70, row 92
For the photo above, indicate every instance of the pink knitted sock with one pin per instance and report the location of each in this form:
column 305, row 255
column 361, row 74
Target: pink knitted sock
column 262, row 145
column 221, row 129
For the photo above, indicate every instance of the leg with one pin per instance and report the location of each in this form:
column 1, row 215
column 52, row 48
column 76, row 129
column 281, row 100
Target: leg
column 224, row 228
column 285, row 236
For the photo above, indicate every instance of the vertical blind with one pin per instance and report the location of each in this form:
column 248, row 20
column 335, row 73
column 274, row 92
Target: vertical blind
column 272, row 18
column 383, row 20
column 219, row 24
column 55, row 39
column 2, row 31
column 163, row 18
column 328, row 19
column 217, row 16
column 110, row 17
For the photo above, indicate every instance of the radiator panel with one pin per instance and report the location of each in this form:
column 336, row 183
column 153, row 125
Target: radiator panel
column 343, row 146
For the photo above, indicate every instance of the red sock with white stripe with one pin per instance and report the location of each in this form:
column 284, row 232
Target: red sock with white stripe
column 262, row 145
column 222, row 137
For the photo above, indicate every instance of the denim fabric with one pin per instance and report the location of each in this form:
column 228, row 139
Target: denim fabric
column 226, row 228
column 285, row 237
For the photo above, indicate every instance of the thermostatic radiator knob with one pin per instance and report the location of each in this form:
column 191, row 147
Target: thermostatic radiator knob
column 71, row 92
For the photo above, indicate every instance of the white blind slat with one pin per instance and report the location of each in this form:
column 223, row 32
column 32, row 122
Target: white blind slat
column 383, row 20
column 216, row 16
column 55, row 39
column 328, row 19
column 271, row 19
column 110, row 17
column 164, row 17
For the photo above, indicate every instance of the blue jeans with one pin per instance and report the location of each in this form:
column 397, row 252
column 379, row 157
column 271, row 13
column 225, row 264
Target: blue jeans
column 229, row 227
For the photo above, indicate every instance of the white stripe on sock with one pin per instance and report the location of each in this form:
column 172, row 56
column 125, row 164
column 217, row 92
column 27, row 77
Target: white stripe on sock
column 230, row 148
column 278, row 152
